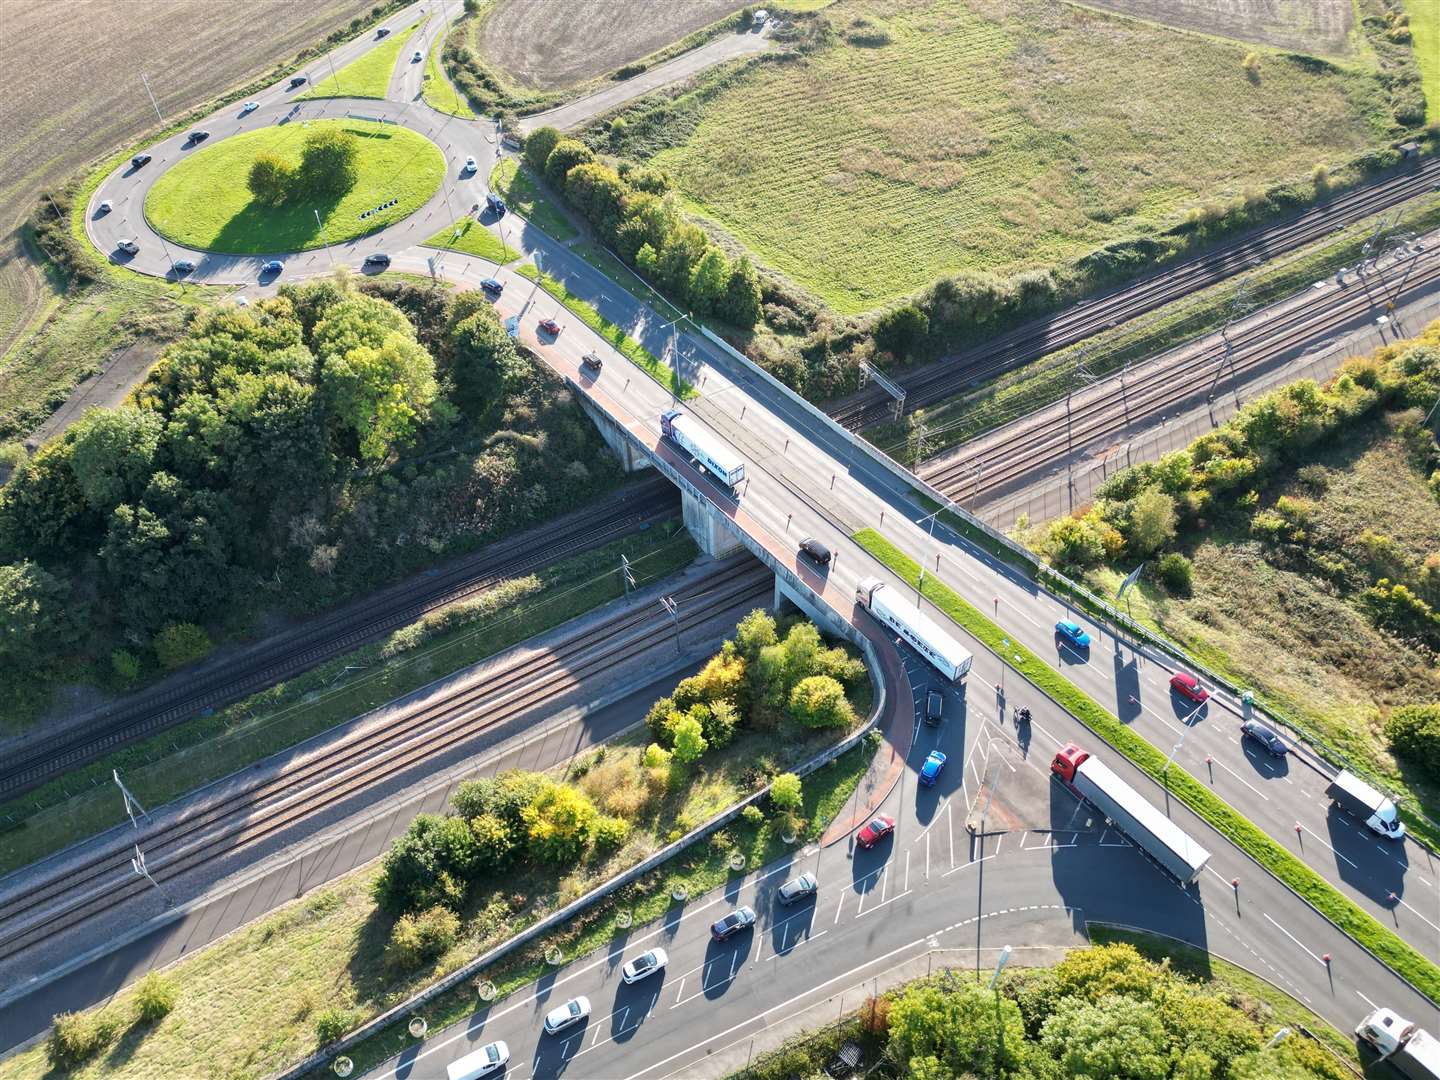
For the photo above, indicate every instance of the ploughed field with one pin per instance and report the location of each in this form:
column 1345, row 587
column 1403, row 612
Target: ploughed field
column 933, row 136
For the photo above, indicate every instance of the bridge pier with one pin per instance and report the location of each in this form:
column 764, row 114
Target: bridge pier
column 631, row 457
column 710, row 528
column 822, row 615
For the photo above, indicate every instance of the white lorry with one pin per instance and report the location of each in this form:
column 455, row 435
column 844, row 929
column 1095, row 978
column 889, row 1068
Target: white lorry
column 1401, row 1044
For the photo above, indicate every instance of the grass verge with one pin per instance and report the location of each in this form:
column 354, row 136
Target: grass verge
column 208, row 747
column 203, row 202
column 438, row 92
column 1425, row 29
column 622, row 342
column 523, row 195
column 1385, row 944
column 474, row 239
column 369, row 75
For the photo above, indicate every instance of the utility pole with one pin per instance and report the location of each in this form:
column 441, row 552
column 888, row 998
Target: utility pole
column 1227, row 357
column 138, row 865
column 132, row 804
column 152, row 98
column 673, row 610
column 626, row 575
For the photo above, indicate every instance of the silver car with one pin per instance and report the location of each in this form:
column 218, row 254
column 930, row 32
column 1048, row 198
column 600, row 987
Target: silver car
column 575, row 1011
column 797, row 889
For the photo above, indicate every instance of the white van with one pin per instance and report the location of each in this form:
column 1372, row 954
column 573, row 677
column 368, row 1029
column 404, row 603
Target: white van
column 489, row 1060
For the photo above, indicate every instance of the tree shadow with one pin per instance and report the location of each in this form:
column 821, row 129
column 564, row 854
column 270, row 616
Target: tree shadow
column 293, row 225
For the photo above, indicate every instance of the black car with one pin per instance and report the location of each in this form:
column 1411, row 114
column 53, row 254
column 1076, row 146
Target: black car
column 298, row 80
column 934, row 707
column 593, row 361
column 183, row 266
column 140, row 159
column 732, row 924
column 377, row 258
column 495, row 204
column 493, row 287
column 818, row 552
column 1271, row 742
column 199, row 135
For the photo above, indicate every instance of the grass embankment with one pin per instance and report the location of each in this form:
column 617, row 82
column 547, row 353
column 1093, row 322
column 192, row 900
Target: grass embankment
column 203, row 202
column 1385, row 944
column 1425, row 29
column 252, row 998
column 369, row 75
column 438, row 92
column 622, row 342
column 474, row 239
column 1048, row 379
column 1010, row 125
column 209, row 747
column 523, row 195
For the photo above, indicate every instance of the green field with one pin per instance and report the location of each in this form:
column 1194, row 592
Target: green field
column 203, row 202
column 439, row 93
column 369, row 75
column 523, row 195
column 931, row 137
column 1425, row 27
column 474, row 239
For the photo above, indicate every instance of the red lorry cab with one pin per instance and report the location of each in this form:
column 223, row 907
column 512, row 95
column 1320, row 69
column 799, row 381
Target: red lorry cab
column 1067, row 761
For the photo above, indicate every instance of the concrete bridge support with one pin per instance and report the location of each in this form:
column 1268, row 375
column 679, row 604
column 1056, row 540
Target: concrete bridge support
column 711, row 529
column 788, row 591
column 632, row 458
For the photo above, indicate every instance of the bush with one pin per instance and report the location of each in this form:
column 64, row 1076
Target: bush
column 689, row 739
column 77, row 1037
column 752, row 815
column 785, row 792
column 1177, row 574
column 180, row 644
column 154, row 997
column 610, row 832
column 900, row 332
column 333, row 1024
column 819, row 701
column 1413, row 732
column 558, row 822
column 125, row 665
column 415, row 939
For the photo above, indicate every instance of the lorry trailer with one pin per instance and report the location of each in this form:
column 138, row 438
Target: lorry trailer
column 927, row 637
column 1356, row 797
column 709, row 452
column 1401, row 1044
column 1137, row 817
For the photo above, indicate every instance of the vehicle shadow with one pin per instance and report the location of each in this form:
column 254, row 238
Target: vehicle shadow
column 553, row 1052
column 1128, row 696
column 793, row 928
column 1263, row 762
column 1370, row 863
column 634, row 1002
column 724, row 961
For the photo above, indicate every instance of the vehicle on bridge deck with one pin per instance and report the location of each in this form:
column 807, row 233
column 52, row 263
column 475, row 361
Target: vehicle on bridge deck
column 1167, row 843
column 709, row 452
column 1406, row 1047
column 923, row 633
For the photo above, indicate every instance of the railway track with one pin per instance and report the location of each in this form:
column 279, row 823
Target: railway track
column 287, row 655
column 1033, row 441
column 262, row 808
column 1046, row 334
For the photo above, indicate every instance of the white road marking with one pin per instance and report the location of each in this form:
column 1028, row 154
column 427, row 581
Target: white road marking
column 1320, row 838
column 877, row 907
column 1293, row 938
column 839, row 907
column 1365, row 999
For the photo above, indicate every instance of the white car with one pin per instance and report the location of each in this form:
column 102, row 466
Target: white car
column 470, row 165
column 488, row 1060
column 249, row 107
column 644, row 965
column 105, row 206
column 575, row 1011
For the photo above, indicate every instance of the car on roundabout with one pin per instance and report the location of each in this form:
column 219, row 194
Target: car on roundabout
column 470, row 166
column 492, row 287
column 377, row 258
column 183, row 266
column 105, row 207
column 139, row 159
column 930, row 771
column 129, row 247
column 645, row 965
column 249, row 107
column 417, row 57
column 575, row 1011
column 198, row 135
column 549, row 326
column 875, row 830
column 298, row 80
column 1072, row 633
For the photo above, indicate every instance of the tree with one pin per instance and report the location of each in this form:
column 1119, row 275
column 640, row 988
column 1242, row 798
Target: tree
column 35, row 617
column 688, row 738
column 381, row 395
column 597, row 191
column 181, row 643
column 753, row 633
column 329, row 163
column 1152, row 522
column 708, row 280
column 42, row 508
column 355, row 321
column 494, row 841
column 741, row 303
column 567, row 154
column 1115, row 1036
column 1072, row 542
column 965, row 1028
column 785, row 792
column 900, row 331
column 271, row 178
column 682, row 249
column 411, row 868
column 558, row 822
column 1413, row 732
column 112, row 453
column 1177, row 574
column 538, row 145
column 484, row 362
column 819, row 701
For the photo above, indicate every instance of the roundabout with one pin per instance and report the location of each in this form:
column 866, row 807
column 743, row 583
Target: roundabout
column 203, row 202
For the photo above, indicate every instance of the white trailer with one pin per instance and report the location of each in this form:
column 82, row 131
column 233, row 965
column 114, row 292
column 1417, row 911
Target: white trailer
column 709, row 452
column 927, row 637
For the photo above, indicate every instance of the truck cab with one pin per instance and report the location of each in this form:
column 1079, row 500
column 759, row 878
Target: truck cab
column 1069, row 758
column 1385, row 1030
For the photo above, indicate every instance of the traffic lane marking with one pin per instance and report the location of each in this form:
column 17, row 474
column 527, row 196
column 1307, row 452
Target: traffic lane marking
column 1292, row 937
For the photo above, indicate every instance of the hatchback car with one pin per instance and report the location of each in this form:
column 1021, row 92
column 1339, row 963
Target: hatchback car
column 184, row 266
column 199, row 135
column 732, row 924
column 495, row 204
column 1187, row 686
column 298, row 80
column 593, row 361
column 797, row 889
column 382, row 32
column 930, row 771
column 274, row 266
column 934, row 707
column 493, row 287
column 550, row 326
column 129, row 247
column 249, row 107
column 140, row 159
column 1273, row 744
column 486, row 1061
column 417, row 56
column 875, row 830
column 644, row 965
column 377, row 258
column 105, row 206
column 1072, row 633
column 817, row 552
column 469, row 165
column 575, row 1011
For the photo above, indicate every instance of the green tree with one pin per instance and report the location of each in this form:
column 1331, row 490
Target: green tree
column 1413, row 732
column 708, row 280
column 181, row 643
column 597, row 191
column 411, row 869
column 558, row 822
column 494, row 840
column 382, row 396
column 271, row 178
column 329, row 163
column 1072, row 542
column 357, row 321
column 1115, row 1036
column 112, row 453
column 741, row 303
column 567, row 154
column 965, row 1028
column 753, row 633
column 1152, row 522
column 42, row 507
column 125, row 664
column 819, row 701
column 484, row 362
column 36, row 620
column 688, row 738
column 901, row 330
column 538, row 145
column 785, row 792
column 1177, row 574
column 682, row 249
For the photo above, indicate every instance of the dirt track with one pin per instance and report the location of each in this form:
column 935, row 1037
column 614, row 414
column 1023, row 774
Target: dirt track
column 547, row 44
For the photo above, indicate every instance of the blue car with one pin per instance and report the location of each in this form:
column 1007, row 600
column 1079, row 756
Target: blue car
column 930, row 771
column 1072, row 633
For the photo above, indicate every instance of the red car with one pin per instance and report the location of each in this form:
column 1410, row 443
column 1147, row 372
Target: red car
column 1187, row 686
column 550, row 326
column 875, row 830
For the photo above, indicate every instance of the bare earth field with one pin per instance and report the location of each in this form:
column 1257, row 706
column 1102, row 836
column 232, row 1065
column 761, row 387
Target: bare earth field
column 70, row 81
column 1313, row 26
column 547, row 44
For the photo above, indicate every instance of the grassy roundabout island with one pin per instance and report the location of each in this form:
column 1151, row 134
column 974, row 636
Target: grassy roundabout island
column 204, row 202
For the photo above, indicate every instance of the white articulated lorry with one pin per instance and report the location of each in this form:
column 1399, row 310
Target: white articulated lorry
column 927, row 637
column 710, row 453
column 1401, row 1044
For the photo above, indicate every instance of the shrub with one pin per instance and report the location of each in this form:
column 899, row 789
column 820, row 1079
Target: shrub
column 154, row 997
column 415, row 939
column 900, row 332
column 1251, row 64
column 77, row 1037
column 689, row 739
column 181, row 643
column 610, row 832
column 752, row 815
column 1413, row 732
column 785, row 791
column 125, row 664
column 657, row 720
column 558, row 822
column 875, row 1016
column 332, row 1024
column 1152, row 522
column 819, row 701
column 1177, row 574
column 538, row 145
column 1072, row 542
column 656, row 757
